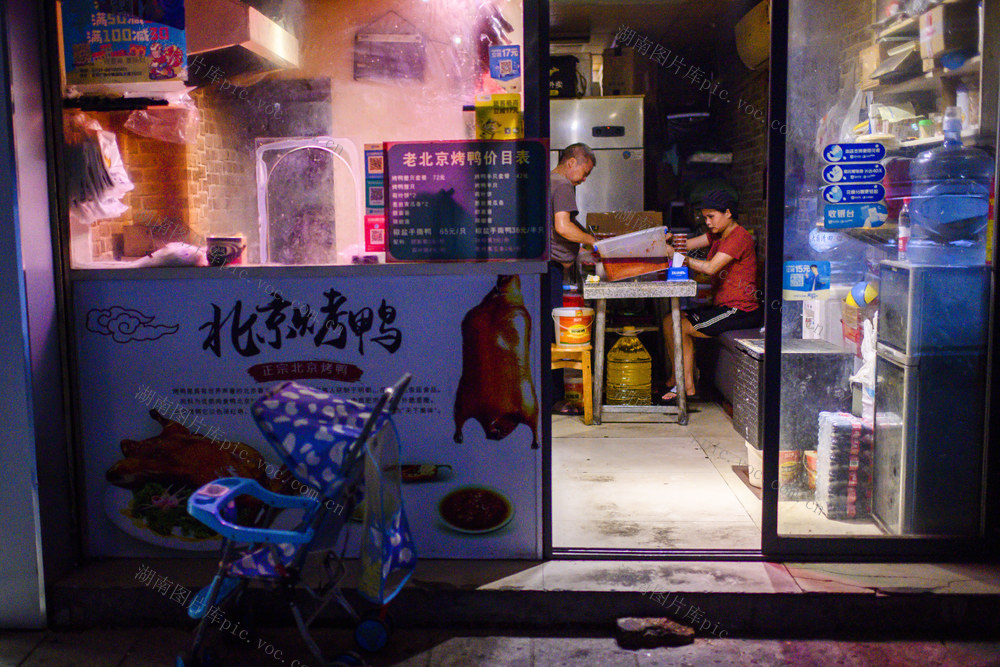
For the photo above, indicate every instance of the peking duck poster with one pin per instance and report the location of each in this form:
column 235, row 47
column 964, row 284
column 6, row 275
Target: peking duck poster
column 169, row 369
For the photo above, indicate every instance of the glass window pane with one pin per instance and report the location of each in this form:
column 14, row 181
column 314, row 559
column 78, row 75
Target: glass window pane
column 885, row 308
column 164, row 120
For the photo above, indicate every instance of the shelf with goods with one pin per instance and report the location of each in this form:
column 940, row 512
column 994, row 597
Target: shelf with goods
column 931, row 91
column 883, row 236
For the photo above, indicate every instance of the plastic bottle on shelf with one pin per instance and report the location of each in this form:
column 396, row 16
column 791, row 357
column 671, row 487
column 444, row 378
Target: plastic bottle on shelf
column 629, row 371
column 950, row 202
column 903, row 229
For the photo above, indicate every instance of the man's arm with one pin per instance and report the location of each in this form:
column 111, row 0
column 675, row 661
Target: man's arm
column 568, row 230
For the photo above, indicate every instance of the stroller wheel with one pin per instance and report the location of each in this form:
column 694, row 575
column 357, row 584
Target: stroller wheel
column 349, row 659
column 373, row 631
column 205, row 657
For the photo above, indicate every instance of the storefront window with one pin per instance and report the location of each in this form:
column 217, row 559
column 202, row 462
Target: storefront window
column 220, row 131
column 886, row 274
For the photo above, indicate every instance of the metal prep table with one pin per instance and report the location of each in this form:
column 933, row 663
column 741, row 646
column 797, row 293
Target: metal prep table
column 671, row 289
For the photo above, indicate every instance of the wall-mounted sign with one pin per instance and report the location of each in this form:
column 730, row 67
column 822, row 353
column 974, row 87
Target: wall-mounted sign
column 466, row 200
column 167, row 385
column 845, row 216
column 854, row 152
column 865, row 172
column 389, row 48
column 854, row 194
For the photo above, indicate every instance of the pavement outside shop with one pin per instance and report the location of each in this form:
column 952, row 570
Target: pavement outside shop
column 149, row 647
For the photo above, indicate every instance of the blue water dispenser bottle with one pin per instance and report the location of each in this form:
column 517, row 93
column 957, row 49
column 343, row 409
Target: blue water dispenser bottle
column 950, row 203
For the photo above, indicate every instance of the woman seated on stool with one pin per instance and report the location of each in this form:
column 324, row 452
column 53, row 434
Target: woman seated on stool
column 732, row 263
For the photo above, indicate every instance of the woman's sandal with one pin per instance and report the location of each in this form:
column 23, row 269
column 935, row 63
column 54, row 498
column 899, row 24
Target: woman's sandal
column 671, row 396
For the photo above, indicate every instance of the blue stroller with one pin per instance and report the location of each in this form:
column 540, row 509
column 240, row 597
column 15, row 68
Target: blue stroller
column 346, row 455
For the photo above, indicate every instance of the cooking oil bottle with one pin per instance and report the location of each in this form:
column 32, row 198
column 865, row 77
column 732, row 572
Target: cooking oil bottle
column 629, row 369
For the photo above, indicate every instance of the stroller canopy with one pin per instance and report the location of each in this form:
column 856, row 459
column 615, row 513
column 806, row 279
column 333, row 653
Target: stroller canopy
column 314, row 433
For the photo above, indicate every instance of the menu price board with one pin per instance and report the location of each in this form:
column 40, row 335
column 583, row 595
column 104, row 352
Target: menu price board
column 466, row 200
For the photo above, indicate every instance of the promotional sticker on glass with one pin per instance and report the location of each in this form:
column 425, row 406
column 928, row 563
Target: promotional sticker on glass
column 854, row 194
column 106, row 47
column 854, row 173
column 505, row 67
column 806, row 280
column 846, row 216
column 854, row 152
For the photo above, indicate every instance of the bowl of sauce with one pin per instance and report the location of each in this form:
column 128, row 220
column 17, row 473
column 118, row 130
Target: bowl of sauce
column 475, row 510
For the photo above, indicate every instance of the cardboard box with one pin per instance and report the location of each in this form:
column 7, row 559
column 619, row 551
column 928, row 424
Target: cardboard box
column 870, row 59
column 137, row 240
column 626, row 72
column 948, row 27
column 623, row 222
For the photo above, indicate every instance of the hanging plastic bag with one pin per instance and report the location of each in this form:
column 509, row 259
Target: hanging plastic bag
column 866, row 374
column 177, row 123
column 96, row 175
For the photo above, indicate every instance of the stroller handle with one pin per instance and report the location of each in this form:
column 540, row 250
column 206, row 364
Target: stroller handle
column 395, row 392
column 387, row 404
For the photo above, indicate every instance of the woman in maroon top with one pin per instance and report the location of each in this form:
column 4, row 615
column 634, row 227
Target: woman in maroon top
column 732, row 263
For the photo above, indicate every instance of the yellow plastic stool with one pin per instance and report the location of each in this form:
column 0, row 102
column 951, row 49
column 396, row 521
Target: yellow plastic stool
column 577, row 357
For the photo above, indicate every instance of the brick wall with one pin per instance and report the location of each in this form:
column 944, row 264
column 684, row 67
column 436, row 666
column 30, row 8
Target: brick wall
column 749, row 146
column 221, row 173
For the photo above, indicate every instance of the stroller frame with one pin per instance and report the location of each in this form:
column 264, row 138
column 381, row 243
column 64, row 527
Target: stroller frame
column 214, row 505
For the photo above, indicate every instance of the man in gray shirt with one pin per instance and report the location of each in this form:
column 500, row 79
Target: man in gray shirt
column 565, row 233
column 575, row 163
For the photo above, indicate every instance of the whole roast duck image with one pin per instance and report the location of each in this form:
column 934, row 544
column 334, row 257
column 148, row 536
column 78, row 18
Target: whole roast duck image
column 163, row 471
column 496, row 387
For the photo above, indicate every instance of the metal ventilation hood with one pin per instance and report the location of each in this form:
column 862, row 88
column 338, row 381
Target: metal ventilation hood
column 236, row 38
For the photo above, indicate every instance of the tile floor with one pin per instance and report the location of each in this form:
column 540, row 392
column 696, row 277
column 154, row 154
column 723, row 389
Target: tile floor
column 646, row 483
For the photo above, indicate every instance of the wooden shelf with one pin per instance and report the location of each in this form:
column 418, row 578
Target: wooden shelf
column 878, row 236
column 971, row 133
column 901, row 28
column 929, row 80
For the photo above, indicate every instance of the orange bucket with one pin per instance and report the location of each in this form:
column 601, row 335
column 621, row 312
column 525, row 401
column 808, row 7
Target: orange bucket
column 573, row 325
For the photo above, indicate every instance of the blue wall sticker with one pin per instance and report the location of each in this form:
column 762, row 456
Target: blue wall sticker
column 854, row 152
column 866, row 172
column 845, row 216
column 854, row 194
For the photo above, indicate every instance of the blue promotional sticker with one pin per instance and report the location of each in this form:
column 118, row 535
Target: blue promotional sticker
column 805, row 280
column 871, row 172
column 505, row 62
column 845, row 216
column 854, row 152
column 867, row 193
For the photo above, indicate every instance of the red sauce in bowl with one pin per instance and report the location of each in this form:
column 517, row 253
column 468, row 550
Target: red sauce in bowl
column 475, row 509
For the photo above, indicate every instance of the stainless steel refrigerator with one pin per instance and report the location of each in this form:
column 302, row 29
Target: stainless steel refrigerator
column 613, row 127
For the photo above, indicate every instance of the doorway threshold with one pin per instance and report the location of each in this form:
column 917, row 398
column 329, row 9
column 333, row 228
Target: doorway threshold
column 694, row 555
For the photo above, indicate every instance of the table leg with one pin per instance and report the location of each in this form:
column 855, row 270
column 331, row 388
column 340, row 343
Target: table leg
column 602, row 306
column 682, row 413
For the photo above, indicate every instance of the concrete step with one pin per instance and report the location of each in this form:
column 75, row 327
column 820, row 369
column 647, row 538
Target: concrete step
column 717, row 599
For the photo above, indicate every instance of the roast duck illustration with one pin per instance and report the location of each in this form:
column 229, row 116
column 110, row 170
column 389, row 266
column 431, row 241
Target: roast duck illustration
column 163, row 470
column 496, row 387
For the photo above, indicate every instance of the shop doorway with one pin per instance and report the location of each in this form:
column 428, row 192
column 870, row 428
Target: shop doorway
column 644, row 484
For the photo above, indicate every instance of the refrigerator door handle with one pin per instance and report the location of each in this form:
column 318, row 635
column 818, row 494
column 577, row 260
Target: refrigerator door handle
column 605, row 131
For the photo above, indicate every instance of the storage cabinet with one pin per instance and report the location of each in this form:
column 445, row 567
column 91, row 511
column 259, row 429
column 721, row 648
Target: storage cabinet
column 814, row 378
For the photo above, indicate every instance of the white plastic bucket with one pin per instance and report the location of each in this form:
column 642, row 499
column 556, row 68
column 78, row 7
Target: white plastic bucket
column 573, row 326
